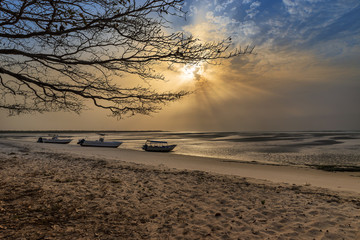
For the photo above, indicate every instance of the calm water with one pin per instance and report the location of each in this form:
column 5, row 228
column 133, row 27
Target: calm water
column 289, row 148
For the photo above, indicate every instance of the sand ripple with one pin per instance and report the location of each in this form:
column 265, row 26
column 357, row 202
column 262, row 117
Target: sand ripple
column 58, row 196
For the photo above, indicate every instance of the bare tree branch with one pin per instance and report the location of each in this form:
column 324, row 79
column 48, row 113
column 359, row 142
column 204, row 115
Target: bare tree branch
column 57, row 54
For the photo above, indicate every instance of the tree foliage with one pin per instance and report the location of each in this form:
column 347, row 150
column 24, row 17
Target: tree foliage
column 59, row 54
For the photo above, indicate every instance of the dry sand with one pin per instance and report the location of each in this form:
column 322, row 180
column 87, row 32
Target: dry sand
column 53, row 195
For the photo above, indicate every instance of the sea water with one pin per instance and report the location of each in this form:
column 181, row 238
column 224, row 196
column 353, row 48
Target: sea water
column 341, row 148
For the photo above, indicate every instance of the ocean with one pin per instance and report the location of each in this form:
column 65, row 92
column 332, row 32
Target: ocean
column 301, row 148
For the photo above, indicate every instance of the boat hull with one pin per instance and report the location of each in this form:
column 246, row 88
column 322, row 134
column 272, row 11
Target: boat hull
column 57, row 141
column 159, row 148
column 100, row 144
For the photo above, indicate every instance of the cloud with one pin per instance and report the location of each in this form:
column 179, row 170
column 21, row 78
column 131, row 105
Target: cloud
column 301, row 24
column 247, row 1
column 315, row 21
column 304, row 75
column 253, row 11
column 301, row 9
column 222, row 5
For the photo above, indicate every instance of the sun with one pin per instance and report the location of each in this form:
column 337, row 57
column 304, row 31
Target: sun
column 191, row 72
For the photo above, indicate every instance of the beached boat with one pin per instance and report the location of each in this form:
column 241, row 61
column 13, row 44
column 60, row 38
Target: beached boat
column 158, row 146
column 99, row 143
column 54, row 139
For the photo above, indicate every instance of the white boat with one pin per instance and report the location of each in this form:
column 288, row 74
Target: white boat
column 158, row 146
column 54, row 139
column 99, row 143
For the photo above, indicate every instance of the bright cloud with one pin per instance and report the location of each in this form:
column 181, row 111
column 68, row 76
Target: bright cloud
column 300, row 45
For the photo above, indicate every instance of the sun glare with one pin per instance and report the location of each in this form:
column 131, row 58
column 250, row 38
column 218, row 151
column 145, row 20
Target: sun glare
column 191, row 72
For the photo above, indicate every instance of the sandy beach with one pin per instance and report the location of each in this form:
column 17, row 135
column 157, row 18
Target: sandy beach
column 66, row 192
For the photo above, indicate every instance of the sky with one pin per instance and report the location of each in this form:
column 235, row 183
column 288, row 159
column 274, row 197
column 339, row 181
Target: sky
column 304, row 73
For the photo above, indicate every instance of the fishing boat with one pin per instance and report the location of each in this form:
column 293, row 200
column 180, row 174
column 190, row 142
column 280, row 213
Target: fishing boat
column 54, row 139
column 99, row 143
column 158, row 146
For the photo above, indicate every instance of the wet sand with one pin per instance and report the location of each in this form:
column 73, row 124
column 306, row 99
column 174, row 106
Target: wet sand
column 337, row 181
column 49, row 192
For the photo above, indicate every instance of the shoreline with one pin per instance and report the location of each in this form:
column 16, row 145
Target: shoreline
column 49, row 193
column 347, row 182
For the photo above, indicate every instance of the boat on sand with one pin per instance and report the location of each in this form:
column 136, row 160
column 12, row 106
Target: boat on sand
column 99, row 143
column 158, row 146
column 54, row 139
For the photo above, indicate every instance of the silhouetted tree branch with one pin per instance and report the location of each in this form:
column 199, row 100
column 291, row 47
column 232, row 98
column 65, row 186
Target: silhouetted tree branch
column 57, row 54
